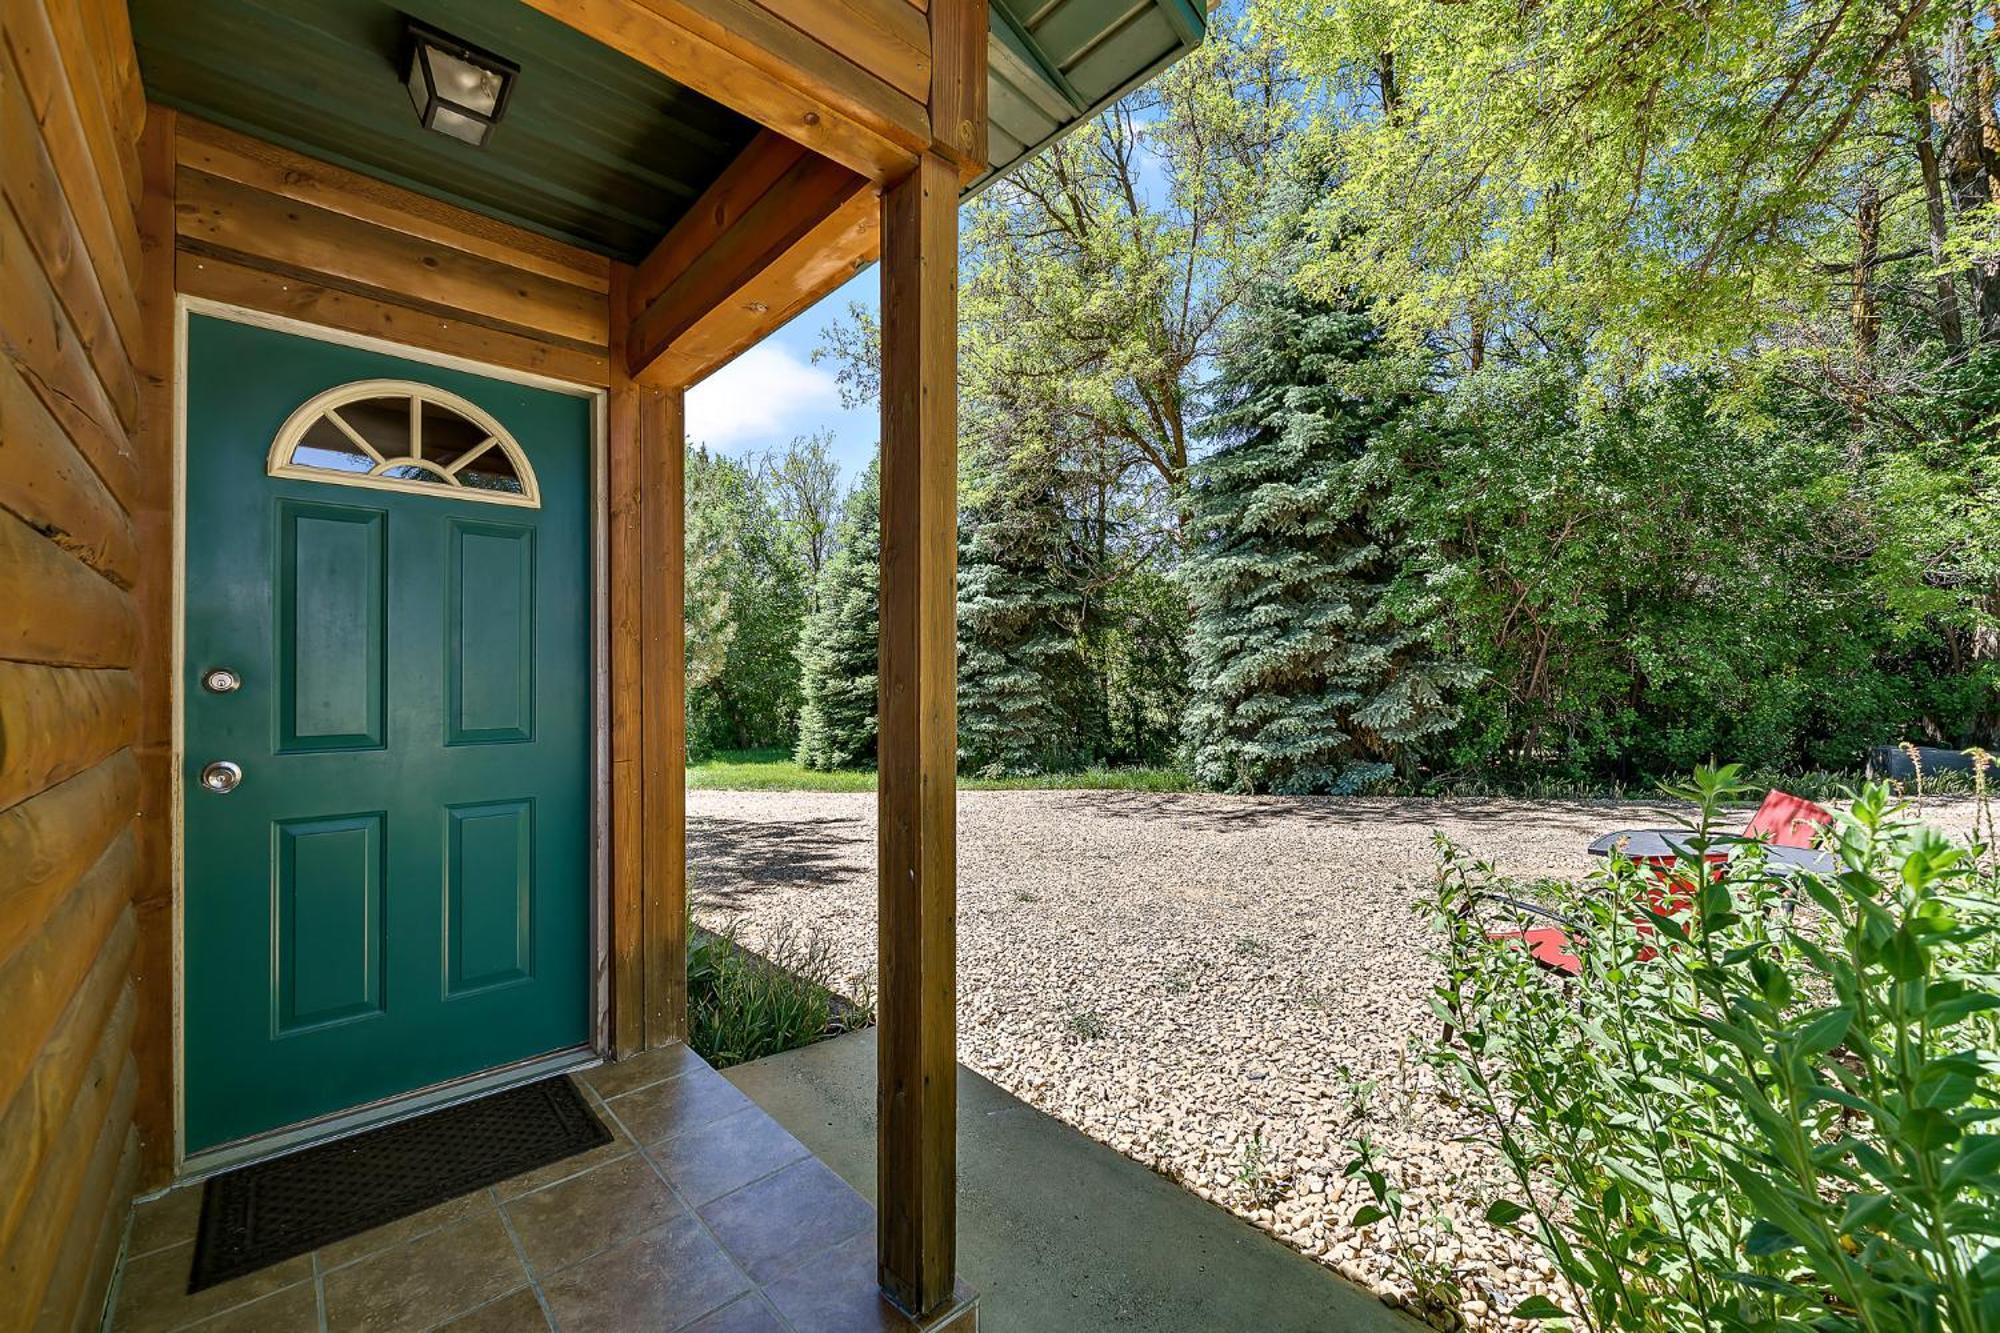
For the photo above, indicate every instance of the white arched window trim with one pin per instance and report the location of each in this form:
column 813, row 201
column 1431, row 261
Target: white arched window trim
column 328, row 404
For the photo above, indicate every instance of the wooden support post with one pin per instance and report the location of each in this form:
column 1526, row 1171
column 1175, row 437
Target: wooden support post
column 153, row 525
column 663, row 451
column 917, row 795
column 648, row 943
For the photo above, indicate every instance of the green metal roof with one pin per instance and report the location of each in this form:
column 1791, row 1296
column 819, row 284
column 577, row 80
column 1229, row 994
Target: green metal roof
column 596, row 149
column 1053, row 64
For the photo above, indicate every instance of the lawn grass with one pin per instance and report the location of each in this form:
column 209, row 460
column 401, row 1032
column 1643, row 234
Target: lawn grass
column 775, row 770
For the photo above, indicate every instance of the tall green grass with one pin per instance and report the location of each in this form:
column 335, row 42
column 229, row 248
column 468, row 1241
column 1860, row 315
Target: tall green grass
column 775, row 770
column 744, row 1005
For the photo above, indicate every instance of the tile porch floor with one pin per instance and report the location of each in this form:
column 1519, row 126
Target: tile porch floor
column 701, row 1214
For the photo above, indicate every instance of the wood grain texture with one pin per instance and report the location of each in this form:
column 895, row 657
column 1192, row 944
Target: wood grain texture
column 40, row 978
column 114, row 150
column 663, row 449
column 885, row 37
column 754, row 62
column 37, row 338
column 764, row 231
column 60, row 611
column 625, row 551
column 65, row 128
column 89, row 278
column 279, row 171
column 240, row 284
column 71, row 111
column 958, row 83
column 45, row 481
column 57, row 721
column 823, row 259
column 48, row 841
column 90, row 1039
column 234, row 221
column 86, row 1313
column 153, row 525
column 73, row 1189
column 916, row 1168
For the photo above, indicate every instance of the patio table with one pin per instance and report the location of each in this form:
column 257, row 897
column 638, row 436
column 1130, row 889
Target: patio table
column 1660, row 847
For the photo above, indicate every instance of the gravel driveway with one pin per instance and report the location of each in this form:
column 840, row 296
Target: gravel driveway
column 1199, row 981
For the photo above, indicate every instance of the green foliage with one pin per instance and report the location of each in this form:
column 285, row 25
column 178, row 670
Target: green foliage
column 777, row 770
column 745, row 607
column 1023, row 681
column 1645, row 586
column 1669, row 183
column 1771, row 1111
column 838, row 649
column 1307, row 677
column 1135, row 638
column 744, row 1006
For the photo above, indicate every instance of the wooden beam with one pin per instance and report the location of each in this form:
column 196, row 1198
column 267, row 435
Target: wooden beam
column 215, row 151
column 917, row 784
column 662, row 455
column 958, row 84
column 753, row 61
column 760, row 221
column 647, row 438
column 234, row 221
column 625, row 550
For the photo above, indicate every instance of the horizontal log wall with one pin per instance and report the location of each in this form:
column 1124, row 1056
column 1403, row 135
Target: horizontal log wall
column 74, row 493
column 262, row 227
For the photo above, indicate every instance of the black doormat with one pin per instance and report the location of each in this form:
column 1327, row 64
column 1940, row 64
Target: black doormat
column 257, row 1215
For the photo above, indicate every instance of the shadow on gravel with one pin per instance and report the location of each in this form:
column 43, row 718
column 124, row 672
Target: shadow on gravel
column 732, row 862
column 1210, row 814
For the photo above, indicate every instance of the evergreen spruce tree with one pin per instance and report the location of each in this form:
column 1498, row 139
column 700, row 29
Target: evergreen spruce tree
column 1023, row 681
column 837, row 652
column 1304, row 679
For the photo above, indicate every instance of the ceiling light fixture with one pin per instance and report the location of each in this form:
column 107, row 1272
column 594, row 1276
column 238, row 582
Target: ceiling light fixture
column 457, row 88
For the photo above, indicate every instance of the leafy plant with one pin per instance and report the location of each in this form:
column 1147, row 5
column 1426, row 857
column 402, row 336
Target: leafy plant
column 1431, row 1279
column 1255, row 1175
column 1770, row 1111
column 744, row 1006
column 1085, row 1025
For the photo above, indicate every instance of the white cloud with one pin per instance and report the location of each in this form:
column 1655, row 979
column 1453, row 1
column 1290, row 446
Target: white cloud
column 763, row 397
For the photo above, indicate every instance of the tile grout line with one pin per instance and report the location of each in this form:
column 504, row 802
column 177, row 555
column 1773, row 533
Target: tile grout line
column 756, row 1287
column 319, row 1291
column 521, row 1253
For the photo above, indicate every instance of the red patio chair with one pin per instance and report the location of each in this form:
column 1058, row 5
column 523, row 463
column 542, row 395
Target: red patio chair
column 1783, row 820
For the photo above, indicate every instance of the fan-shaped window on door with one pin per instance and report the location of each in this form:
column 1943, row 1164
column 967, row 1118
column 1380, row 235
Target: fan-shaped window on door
column 403, row 436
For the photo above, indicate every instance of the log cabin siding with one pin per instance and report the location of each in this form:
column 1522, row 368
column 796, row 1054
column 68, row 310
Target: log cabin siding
column 72, row 485
column 259, row 226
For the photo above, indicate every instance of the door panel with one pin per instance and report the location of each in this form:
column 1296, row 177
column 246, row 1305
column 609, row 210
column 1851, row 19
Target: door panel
column 328, row 945
column 489, row 937
column 490, row 628
column 332, row 649
column 397, row 893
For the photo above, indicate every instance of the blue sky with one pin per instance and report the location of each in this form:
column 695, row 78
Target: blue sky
column 773, row 392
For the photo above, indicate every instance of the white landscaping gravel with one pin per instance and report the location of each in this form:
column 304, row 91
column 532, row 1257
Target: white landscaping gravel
column 1197, row 981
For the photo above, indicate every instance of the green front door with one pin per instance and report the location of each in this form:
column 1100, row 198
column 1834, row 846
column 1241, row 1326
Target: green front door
column 394, row 892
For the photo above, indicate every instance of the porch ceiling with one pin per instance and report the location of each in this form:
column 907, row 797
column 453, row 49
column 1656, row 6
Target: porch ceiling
column 596, row 149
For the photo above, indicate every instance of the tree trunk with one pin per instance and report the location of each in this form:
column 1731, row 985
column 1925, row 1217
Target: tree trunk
column 1919, row 85
column 1862, row 311
column 1986, row 127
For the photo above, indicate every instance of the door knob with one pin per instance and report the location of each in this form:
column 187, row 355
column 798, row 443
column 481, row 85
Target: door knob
column 221, row 776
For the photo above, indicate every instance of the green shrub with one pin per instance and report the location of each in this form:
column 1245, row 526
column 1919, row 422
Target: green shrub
column 1772, row 1112
column 744, row 1006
